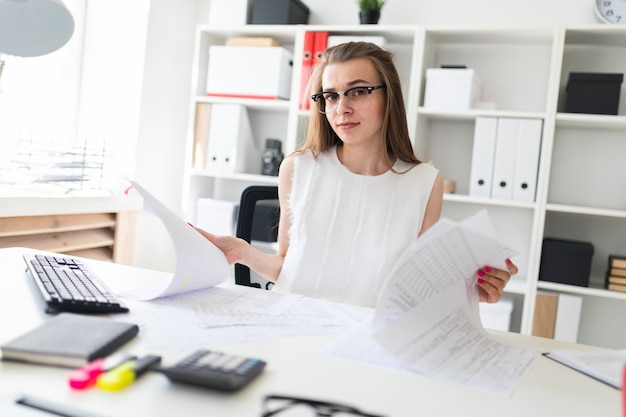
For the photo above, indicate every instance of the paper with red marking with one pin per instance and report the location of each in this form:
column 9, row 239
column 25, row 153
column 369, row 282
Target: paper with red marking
column 199, row 263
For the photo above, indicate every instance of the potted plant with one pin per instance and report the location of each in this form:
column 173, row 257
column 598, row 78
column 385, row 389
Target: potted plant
column 369, row 10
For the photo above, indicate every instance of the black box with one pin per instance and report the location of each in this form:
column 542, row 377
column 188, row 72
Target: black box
column 594, row 93
column 279, row 12
column 566, row 261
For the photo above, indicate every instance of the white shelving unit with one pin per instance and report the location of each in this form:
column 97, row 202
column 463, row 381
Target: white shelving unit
column 585, row 184
column 524, row 72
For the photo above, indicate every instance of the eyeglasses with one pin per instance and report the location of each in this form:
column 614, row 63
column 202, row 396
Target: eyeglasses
column 282, row 406
column 357, row 97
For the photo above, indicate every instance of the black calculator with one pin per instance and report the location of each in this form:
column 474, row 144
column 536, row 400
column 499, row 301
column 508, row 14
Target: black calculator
column 214, row 369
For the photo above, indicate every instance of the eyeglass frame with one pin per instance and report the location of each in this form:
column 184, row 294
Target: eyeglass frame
column 330, row 408
column 315, row 97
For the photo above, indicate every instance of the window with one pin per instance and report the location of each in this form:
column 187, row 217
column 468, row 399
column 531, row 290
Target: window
column 85, row 96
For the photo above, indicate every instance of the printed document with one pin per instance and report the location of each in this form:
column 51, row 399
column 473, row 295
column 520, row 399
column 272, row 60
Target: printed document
column 199, row 263
column 229, row 314
column 427, row 317
column 607, row 366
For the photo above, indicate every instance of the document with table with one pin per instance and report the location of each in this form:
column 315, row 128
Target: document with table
column 427, row 317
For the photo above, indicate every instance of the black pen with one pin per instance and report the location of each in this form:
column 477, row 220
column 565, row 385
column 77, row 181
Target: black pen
column 51, row 408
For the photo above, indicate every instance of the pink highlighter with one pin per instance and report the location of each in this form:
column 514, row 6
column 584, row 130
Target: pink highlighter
column 86, row 376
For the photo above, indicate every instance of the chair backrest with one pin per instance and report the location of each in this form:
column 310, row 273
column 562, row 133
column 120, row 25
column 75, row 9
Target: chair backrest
column 257, row 223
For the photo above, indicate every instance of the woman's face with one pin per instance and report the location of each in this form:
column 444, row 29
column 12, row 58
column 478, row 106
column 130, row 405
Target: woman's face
column 355, row 126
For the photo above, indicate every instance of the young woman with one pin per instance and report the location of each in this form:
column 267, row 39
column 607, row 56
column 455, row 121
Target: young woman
column 355, row 195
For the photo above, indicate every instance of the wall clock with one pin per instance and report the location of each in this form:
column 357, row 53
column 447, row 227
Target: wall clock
column 611, row 11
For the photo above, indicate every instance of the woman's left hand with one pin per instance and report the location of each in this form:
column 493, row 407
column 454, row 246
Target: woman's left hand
column 491, row 281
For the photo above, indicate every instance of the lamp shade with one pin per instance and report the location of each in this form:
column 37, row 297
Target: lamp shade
column 34, row 27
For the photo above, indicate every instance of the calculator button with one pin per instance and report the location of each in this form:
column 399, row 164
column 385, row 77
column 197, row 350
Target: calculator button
column 236, row 363
column 222, row 362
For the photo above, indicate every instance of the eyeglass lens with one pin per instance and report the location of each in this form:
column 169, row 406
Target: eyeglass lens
column 357, row 97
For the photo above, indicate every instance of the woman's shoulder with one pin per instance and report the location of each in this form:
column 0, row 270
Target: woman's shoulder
column 422, row 168
column 428, row 167
column 300, row 154
column 294, row 160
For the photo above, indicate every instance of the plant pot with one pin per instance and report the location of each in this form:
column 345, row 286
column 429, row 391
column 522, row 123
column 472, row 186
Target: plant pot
column 369, row 17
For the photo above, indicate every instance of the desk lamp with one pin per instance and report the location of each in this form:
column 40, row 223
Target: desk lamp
column 30, row 28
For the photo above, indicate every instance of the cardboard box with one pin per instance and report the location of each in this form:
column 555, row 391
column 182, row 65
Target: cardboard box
column 452, row 88
column 594, row 93
column 566, row 261
column 279, row 12
column 249, row 71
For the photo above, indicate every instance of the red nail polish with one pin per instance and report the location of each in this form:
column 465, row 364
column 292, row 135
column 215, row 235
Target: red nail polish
column 481, row 281
column 508, row 261
column 480, row 273
column 487, row 269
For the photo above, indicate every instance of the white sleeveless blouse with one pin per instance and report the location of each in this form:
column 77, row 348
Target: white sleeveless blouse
column 347, row 230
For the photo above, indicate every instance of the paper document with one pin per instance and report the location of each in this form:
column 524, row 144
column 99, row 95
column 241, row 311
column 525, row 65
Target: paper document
column 604, row 365
column 229, row 314
column 448, row 253
column 427, row 317
column 199, row 263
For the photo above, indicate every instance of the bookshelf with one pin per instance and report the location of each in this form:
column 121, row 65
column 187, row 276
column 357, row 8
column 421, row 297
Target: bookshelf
column 524, row 72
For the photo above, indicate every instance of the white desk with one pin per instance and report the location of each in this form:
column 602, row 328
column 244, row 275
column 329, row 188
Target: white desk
column 294, row 368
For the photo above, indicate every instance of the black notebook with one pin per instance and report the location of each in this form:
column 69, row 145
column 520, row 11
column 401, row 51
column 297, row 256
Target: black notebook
column 70, row 340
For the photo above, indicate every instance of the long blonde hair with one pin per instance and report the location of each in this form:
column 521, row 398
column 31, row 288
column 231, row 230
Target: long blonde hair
column 320, row 135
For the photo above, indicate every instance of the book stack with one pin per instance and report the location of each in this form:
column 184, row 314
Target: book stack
column 616, row 273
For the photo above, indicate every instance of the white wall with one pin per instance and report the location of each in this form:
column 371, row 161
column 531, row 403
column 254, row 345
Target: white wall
column 113, row 73
column 165, row 100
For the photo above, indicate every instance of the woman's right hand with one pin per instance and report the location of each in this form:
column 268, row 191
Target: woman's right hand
column 233, row 247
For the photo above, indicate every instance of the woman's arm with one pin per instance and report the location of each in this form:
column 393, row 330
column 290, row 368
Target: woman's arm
column 237, row 250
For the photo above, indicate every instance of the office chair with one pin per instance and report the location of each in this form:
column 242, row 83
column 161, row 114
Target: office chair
column 257, row 223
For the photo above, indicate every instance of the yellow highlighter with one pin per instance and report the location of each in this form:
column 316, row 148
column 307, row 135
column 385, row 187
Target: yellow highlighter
column 122, row 376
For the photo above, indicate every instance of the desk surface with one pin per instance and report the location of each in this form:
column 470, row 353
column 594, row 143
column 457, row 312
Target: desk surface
column 295, row 367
